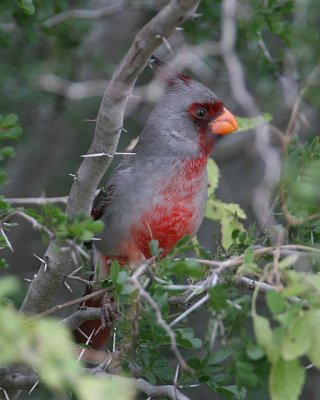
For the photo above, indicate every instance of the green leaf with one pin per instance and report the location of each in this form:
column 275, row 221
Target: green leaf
column 246, row 124
column 236, row 392
column 116, row 388
column 254, row 352
column 127, row 288
column 248, row 255
column 313, row 328
column 213, row 176
column 297, row 340
column 10, row 133
column 275, row 302
column 185, row 338
column 8, row 120
column 227, row 215
column 9, row 285
column 7, row 152
column 265, row 337
column 286, row 380
column 122, row 277
column 27, row 6
column 3, row 263
column 218, row 297
column 114, row 271
column 154, row 247
column 3, row 178
column 189, row 268
column 220, row 355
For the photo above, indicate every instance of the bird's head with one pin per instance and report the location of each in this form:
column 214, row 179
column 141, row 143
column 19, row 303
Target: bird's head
column 188, row 113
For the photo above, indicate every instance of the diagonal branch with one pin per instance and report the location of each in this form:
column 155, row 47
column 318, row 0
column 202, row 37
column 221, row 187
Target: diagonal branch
column 106, row 137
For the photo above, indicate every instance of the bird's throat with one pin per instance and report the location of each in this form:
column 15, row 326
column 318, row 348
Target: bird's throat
column 206, row 141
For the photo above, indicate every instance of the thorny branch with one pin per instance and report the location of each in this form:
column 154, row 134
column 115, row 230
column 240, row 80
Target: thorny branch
column 134, row 279
column 18, row 381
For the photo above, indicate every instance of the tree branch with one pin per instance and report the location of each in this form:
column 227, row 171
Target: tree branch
column 18, row 381
column 106, row 137
column 98, row 13
column 74, row 320
column 38, row 200
column 263, row 146
column 168, row 391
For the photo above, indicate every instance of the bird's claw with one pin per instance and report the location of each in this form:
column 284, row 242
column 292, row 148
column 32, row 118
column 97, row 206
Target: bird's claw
column 109, row 311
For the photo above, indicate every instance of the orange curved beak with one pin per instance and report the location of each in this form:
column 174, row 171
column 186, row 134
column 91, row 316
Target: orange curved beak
column 224, row 123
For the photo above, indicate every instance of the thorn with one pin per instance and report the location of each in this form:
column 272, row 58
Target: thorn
column 133, row 96
column 33, row 387
column 124, row 130
column 74, row 258
column 6, row 240
column 196, row 15
column 176, row 375
column 98, row 330
column 27, row 280
column 5, row 394
column 107, row 154
column 165, row 42
column 67, row 286
column 189, row 386
column 74, row 176
column 82, row 333
column 96, row 239
column 42, row 261
column 89, row 120
column 114, row 340
column 179, row 28
column 9, row 224
column 125, row 153
column 75, row 271
column 34, row 276
column 104, row 154
column 87, row 342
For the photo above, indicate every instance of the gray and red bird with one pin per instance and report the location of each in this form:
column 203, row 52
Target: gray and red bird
column 160, row 192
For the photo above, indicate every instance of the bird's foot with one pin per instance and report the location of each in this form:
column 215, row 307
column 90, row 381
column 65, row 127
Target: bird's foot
column 109, row 311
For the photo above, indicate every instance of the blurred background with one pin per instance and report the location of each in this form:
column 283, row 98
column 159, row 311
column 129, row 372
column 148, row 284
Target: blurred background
column 55, row 64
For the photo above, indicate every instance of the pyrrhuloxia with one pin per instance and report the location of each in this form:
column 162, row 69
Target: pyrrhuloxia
column 159, row 192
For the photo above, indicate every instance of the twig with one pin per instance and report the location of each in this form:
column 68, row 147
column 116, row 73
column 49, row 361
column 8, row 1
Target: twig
column 74, row 320
column 98, row 13
column 196, row 305
column 236, row 261
column 146, row 296
column 38, row 200
column 18, row 381
column 35, row 224
column 70, row 303
column 6, row 239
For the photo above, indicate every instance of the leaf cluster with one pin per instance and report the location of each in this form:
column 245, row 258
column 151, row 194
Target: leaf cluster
column 48, row 349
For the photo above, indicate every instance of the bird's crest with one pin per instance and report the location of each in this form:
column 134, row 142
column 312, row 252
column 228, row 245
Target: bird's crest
column 167, row 73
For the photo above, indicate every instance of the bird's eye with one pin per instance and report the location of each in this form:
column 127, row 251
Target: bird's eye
column 201, row 113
